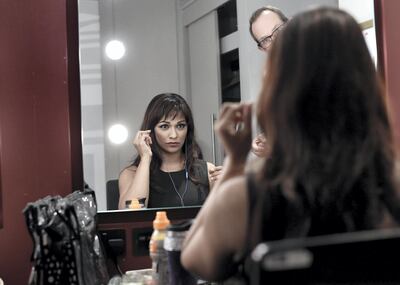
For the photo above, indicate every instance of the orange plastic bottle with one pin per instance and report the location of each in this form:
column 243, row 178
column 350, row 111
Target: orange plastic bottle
column 157, row 252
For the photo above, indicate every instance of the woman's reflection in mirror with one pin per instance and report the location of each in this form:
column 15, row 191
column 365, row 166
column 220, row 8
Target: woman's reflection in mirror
column 168, row 170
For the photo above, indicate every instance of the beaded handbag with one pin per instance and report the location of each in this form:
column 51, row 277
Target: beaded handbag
column 66, row 247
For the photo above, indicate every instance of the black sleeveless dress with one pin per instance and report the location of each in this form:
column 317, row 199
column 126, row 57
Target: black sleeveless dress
column 167, row 189
column 273, row 217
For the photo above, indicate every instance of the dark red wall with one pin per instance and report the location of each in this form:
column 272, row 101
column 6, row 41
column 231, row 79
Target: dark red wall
column 39, row 117
column 389, row 36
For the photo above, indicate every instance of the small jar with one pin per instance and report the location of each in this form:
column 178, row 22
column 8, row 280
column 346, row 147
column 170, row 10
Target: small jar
column 133, row 204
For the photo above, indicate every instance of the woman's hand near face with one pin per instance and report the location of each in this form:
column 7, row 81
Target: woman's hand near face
column 214, row 174
column 142, row 143
column 259, row 146
column 234, row 130
column 134, row 180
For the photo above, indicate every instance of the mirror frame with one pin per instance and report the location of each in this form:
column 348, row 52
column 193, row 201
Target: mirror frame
column 146, row 215
column 379, row 33
column 1, row 200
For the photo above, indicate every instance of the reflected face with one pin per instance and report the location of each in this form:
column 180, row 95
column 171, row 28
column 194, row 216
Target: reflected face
column 265, row 28
column 171, row 133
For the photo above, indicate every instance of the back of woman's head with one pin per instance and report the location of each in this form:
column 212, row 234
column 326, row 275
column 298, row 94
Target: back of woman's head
column 322, row 106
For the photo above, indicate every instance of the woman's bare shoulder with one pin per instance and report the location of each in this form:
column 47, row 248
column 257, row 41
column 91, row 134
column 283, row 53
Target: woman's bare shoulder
column 230, row 207
column 235, row 188
column 128, row 171
column 256, row 164
column 126, row 177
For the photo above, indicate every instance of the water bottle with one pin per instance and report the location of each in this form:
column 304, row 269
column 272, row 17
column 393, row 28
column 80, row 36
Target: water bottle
column 157, row 252
column 173, row 246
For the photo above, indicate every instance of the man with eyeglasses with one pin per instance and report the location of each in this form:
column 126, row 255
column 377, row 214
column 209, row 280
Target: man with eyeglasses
column 265, row 24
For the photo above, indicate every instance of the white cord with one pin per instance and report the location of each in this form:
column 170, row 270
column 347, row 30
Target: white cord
column 176, row 190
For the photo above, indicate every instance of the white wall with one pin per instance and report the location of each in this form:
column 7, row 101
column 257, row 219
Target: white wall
column 149, row 67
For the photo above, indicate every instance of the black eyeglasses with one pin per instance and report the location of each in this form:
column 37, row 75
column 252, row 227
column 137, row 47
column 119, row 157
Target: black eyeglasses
column 266, row 41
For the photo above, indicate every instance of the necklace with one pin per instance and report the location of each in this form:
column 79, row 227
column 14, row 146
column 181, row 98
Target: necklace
column 176, row 190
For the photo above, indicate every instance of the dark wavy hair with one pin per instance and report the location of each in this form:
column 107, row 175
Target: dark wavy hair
column 163, row 106
column 323, row 108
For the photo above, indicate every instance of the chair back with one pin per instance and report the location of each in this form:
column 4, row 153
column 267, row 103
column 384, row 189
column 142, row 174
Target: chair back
column 112, row 189
column 367, row 257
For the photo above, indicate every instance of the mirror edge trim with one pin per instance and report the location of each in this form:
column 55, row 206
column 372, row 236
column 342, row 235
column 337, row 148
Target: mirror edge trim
column 179, row 213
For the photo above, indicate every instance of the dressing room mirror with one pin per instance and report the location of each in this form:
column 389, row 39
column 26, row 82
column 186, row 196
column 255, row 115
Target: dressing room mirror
column 132, row 50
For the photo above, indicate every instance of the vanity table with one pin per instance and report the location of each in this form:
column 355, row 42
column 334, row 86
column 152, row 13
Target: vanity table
column 128, row 233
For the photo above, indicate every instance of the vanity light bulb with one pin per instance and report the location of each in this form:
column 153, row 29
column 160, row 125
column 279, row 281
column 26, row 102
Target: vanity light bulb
column 115, row 50
column 118, row 134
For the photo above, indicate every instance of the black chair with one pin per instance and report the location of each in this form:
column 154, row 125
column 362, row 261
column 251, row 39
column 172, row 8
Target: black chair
column 367, row 257
column 112, row 194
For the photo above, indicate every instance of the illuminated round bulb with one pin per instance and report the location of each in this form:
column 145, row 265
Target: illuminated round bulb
column 118, row 134
column 115, row 49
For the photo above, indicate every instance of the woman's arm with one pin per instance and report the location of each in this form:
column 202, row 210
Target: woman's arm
column 214, row 173
column 134, row 183
column 212, row 241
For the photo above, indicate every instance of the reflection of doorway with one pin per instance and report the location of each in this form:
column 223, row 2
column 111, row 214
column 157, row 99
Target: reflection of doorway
column 203, row 45
column 229, row 42
column 213, row 59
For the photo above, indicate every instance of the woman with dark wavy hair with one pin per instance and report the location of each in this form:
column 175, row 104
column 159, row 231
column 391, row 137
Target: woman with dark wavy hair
column 168, row 170
column 331, row 166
